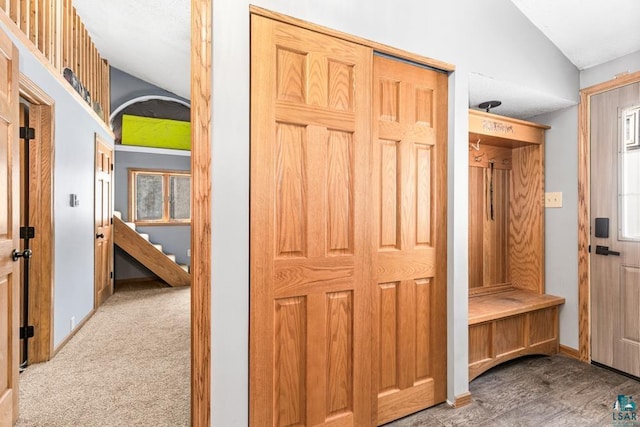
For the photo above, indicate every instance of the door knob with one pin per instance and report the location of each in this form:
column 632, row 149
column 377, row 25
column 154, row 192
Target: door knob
column 16, row 255
column 100, row 236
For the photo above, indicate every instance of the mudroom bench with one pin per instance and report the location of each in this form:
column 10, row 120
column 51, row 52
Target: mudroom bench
column 509, row 324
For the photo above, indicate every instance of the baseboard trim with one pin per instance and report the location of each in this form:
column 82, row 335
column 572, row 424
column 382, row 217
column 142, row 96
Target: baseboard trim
column 73, row 333
column 461, row 400
column 570, row 352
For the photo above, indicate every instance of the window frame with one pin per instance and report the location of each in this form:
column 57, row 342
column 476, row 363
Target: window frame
column 166, row 201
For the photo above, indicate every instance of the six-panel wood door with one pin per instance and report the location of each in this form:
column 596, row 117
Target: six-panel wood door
column 9, row 235
column 409, row 185
column 348, row 232
column 310, row 338
column 103, row 227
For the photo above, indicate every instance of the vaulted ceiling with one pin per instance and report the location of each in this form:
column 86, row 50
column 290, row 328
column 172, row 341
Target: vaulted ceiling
column 153, row 43
column 150, row 40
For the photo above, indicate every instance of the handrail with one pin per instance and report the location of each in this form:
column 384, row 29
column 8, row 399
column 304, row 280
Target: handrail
column 55, row 29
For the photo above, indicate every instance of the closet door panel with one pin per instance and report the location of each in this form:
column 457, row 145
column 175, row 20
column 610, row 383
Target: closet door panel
column 310, row 260
column 409, row 167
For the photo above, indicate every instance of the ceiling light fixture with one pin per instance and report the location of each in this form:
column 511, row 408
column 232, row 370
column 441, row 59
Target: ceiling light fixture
column 489, row 105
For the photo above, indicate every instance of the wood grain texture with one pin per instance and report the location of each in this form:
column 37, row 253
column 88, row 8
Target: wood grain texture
column 41, row 218
column 41, row 108
column 501, row 156
column 392, row 51
column 569, row 351
column 201, row 78
column 506, row 159
column 504, row 304
column 584, row 204
column 509, row 324
column 509, row 335
column 310, row 154
column 409, row 230
column 541, row 324
column 143, row 251
column 515, row 132
column 615, row 280
column 481, row 342
column 46, row 28
column 477, row 217
column 103, row 228
column 584, row 215
column 462, row 400
column 9, row 231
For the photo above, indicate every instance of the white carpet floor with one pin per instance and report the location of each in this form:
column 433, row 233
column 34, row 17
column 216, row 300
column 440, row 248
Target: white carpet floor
column 129, row 365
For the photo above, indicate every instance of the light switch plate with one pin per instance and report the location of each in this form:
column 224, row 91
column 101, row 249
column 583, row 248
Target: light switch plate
column 553, row 200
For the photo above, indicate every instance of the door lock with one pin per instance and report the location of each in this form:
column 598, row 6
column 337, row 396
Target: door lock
column 16, row 255
column 604, row 250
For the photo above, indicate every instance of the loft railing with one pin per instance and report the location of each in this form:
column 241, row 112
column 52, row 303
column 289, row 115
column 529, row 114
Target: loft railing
column 55, row 29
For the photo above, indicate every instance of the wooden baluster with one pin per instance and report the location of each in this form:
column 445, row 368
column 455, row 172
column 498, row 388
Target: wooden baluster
column 14, row 11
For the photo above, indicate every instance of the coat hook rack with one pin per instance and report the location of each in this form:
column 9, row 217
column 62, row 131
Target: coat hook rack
column 475, row 146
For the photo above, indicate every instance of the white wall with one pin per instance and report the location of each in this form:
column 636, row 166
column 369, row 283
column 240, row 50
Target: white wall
column 175, row 239
column 561, row 174
column 74, row 137
column 607, row 71
column 561, row 224
column 490, row 37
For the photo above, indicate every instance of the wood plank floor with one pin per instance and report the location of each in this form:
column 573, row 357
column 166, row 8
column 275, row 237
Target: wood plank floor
column 536, row 391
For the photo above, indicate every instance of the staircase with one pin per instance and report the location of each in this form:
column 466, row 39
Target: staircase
column 149, row 254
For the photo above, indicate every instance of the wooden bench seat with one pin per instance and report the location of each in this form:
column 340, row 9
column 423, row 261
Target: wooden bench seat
column 509, row 324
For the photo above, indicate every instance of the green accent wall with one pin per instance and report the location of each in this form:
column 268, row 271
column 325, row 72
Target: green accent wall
column 159, row 133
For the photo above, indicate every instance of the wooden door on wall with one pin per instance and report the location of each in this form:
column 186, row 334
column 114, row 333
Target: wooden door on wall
column 9, row 231
column 310, row 260
column 615, row 248
column 410, row 193
column 103, row 227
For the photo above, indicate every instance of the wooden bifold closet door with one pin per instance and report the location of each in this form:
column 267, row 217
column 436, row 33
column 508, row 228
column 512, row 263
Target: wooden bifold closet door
column 333, row 294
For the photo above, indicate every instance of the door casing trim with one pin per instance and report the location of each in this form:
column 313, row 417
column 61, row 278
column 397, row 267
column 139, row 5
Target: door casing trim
column 584, row 206
column 201, row 221
column 42, row 106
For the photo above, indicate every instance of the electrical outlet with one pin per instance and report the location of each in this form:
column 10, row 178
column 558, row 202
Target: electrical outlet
column 188, row 252
column 73, row 322
column 553, row 200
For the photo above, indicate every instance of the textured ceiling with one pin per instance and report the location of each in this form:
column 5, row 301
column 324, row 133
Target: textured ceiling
column 151, row 40
column 588, row 32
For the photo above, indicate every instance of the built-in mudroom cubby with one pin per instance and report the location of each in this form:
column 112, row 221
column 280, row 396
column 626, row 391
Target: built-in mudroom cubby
column 509, row 313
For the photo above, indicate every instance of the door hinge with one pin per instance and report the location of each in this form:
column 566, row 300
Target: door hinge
column 26, row 332
column 111, row 166
column 27, row 133
column 27, row 232
column 589, row 248
column 111, row 275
